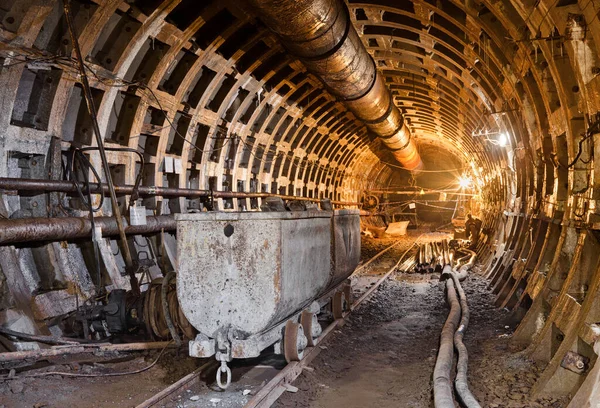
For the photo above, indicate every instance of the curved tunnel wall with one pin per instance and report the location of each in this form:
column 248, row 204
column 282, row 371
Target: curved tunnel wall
column 253, row 119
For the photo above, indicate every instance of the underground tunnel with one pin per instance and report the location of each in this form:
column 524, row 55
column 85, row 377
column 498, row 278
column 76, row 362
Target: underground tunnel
column 299, row 203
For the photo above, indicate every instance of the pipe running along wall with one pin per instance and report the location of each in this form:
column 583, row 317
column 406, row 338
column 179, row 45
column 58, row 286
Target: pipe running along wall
column 321, row 35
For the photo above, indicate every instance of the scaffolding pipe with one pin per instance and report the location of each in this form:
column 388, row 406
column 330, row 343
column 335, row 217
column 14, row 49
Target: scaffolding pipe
column 38, row 185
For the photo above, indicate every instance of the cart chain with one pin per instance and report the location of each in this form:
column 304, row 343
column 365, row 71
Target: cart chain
column 223, row 369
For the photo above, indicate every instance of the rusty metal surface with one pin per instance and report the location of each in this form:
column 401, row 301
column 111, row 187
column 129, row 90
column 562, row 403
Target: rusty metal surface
column 575, row 362
column 321, row 34
column 345, row 248
column 249, row 271
column 13, row 231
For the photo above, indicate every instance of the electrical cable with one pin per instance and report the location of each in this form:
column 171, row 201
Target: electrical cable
column 138, row 180
column 92, row 112
column 424, row 170
column 85, row 167
column 144, row 88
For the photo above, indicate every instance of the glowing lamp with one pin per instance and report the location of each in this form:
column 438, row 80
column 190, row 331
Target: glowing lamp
column 464, row 182
column 502, row 139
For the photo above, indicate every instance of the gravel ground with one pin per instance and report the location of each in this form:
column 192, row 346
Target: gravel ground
column 384, row 356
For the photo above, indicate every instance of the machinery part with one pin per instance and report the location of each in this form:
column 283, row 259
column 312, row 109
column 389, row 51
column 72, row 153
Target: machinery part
column 117, row 314
column 321, row 35
column 155, row 310
column 370, row 202
column 182, row 322
column 166, row 309
column 122, row 312
column 294, row 341
column 309, row 322
column 164, row 315
column 575, row 362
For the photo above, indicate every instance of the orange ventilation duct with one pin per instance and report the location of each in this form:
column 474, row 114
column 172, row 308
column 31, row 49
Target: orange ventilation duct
column 321, row 35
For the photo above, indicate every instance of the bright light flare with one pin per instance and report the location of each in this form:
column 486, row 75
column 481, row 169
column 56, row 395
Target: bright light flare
column 502, row 139
column 464, row 182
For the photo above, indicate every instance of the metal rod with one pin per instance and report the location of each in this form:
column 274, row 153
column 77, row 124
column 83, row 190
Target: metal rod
column 37, row 337
column 92, row 111
column 13, row 231
column 34, row 355
column 38, row 185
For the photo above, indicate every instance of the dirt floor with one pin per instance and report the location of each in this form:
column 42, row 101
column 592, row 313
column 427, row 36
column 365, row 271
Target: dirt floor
column 114, row 391
column 384, row 356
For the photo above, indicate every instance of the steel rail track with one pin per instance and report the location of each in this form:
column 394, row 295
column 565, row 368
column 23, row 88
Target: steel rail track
column 281, row 382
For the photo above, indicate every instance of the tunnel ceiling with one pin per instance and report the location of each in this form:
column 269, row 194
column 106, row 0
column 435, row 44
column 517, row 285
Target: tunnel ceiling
column 213, row 100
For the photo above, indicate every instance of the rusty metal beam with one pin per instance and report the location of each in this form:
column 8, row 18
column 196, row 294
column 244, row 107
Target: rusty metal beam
column 320, row 33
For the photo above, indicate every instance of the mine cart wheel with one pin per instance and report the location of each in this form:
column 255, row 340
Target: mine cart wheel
column 185, row 326
column 306, row 319
column 291, row 341
column 338, row 305
column 347, row 289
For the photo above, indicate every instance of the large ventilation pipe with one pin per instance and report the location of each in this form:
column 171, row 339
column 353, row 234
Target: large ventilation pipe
column 321, row 35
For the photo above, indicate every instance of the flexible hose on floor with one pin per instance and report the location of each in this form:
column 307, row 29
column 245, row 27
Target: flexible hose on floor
column 452, row 336
column 460, row 382
column 442, row 384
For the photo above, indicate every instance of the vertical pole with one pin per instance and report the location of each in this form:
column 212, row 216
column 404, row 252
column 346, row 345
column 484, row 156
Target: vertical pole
column 92, row 111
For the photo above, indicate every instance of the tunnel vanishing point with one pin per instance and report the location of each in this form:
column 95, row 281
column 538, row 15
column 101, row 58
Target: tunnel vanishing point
column 137, row 136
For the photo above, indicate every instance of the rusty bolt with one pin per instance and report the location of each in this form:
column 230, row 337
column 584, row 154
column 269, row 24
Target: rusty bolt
column 580, row 364
column 34, row 204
